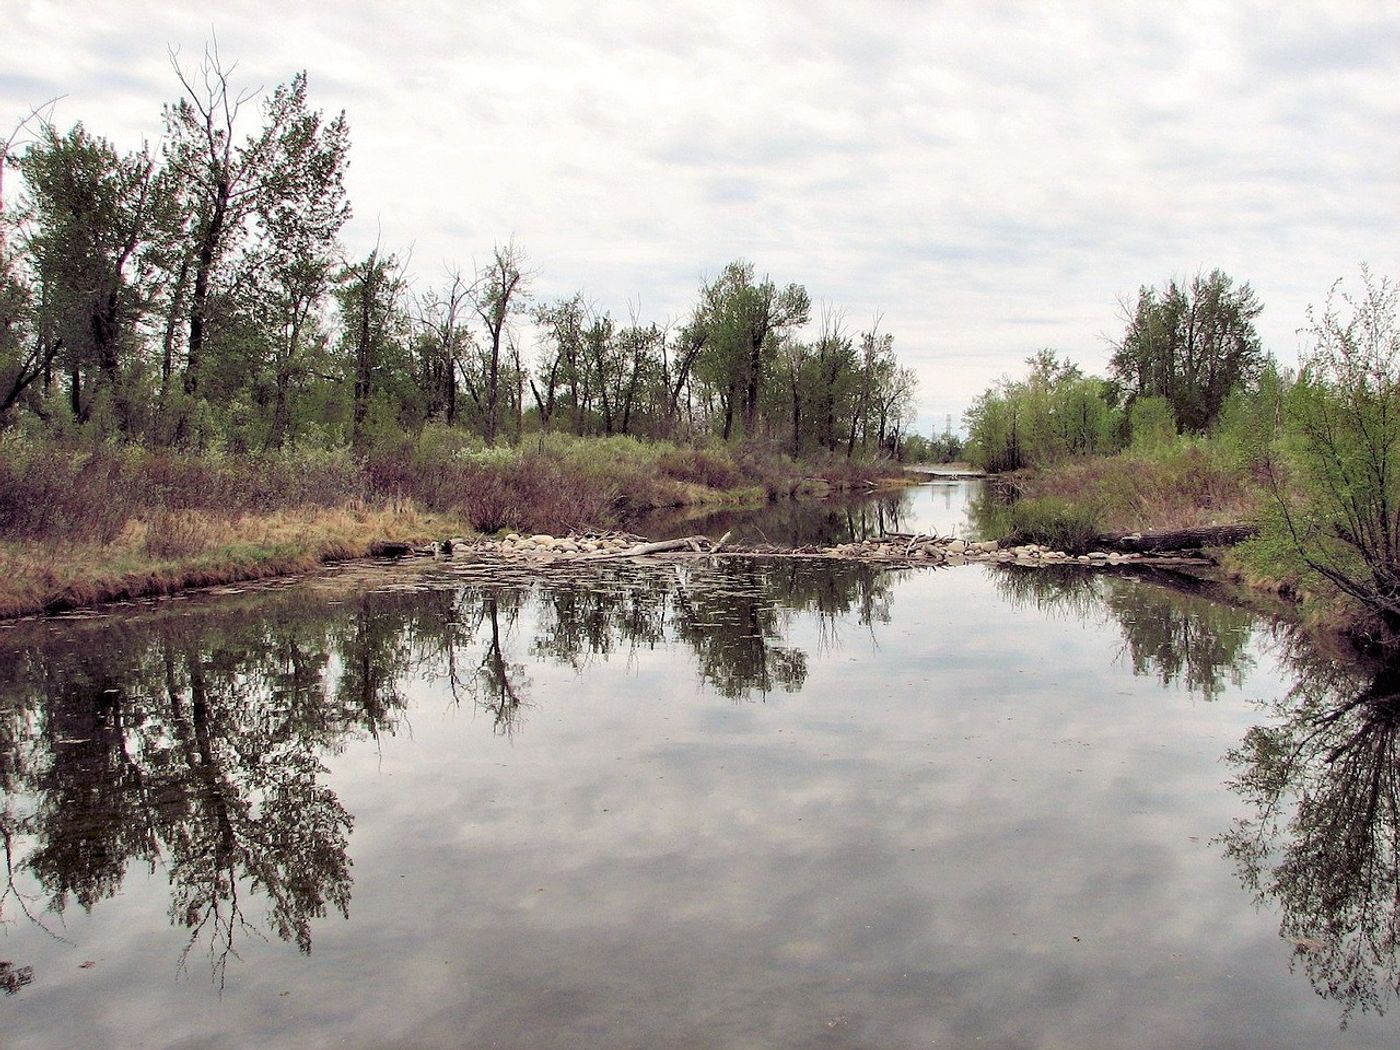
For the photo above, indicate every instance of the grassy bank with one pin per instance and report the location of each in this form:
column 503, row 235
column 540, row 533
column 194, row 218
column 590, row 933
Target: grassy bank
column 1188, row 486
column 80, row 524
column 169, row 551
column 1183, row 484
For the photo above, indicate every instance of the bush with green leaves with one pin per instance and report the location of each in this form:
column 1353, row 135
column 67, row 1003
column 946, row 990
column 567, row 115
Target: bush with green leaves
column 1336, row 508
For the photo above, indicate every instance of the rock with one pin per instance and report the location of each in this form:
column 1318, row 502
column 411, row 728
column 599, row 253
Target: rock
column 956, row 546
column 542, row 539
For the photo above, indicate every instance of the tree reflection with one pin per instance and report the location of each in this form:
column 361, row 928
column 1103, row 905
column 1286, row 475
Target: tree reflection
column 1168, row 632
column 195, row 743
column 1323, row 840
column 195, row 749
column 841, row 518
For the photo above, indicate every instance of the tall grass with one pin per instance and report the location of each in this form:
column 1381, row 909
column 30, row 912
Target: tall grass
column 1178, row 485
column 73, row 514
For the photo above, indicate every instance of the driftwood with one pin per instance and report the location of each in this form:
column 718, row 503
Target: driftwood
column 694, row 544
column 1177, row 539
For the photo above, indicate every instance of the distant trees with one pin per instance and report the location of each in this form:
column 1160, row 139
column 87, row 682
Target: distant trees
column 1190, row 344
column 1053, row 413
column 1189, row 351
column 736, row 367
column 200, row 296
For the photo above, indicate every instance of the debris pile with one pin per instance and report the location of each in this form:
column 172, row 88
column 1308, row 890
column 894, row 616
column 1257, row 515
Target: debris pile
column 891, row 548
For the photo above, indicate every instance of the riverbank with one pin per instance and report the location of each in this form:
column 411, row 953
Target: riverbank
column 84, row 524
column 1186, row 486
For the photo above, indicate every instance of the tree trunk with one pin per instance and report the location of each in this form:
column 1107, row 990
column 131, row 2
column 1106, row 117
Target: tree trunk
column 1177, row 539
column 204, row 266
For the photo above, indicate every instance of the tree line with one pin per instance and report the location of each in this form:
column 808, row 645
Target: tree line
column 1187, row 349
column 1321, row 443
column 198, row 294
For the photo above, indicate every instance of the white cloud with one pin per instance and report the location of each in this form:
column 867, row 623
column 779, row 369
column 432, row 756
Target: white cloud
column 991, row 178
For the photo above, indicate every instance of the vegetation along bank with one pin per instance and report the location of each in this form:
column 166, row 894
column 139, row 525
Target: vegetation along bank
column 1196, row 425
column 200, row 383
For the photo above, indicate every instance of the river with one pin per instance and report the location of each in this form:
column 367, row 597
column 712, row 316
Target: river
column 747, row 803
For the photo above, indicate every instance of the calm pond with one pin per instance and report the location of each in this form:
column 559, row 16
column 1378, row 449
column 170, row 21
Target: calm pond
column 731, row 804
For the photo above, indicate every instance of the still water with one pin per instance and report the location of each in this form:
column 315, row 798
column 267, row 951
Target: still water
column 935, row 507
column 739, row 804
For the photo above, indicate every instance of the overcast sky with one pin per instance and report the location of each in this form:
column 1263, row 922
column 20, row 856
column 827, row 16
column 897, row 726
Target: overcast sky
column 990, row 178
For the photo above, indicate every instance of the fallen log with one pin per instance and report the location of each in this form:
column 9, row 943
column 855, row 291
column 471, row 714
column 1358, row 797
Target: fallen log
column 1177, row 539
column 695, row 544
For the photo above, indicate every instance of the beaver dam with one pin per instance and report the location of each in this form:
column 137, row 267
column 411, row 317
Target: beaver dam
column 543, row 550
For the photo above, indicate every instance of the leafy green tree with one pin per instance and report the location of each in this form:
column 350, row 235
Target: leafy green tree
column 743, row 319
column 499, row 296
column 836, row 379
column 373, row 332
column 1191, row 344
column 86, row 208
column 283, row 182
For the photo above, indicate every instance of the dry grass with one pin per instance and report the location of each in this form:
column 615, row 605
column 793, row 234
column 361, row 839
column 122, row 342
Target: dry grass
column 167, row 551
column 86, row 523
column 1188, row 487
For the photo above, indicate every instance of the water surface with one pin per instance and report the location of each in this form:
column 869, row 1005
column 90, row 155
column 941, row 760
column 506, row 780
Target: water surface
column 735, row 804
column 938, row 506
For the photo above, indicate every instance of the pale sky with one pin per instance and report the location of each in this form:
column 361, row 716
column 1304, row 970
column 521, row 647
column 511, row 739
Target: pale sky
column 991, row 178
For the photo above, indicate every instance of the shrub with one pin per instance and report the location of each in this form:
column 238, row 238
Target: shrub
column 1335, row 506
column 700, row 466
column 1053, row 522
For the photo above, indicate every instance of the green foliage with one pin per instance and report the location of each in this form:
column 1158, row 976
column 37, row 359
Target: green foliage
column 1192, row 345
column 1151, row 424
column 1053, row 522
column 1337, row 493
column 1056, row 412
column 741, row 320
column 1252, row 420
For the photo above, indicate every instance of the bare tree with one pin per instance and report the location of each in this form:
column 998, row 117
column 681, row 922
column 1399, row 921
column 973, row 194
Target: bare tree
column 444, row 339
column 499, row 295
